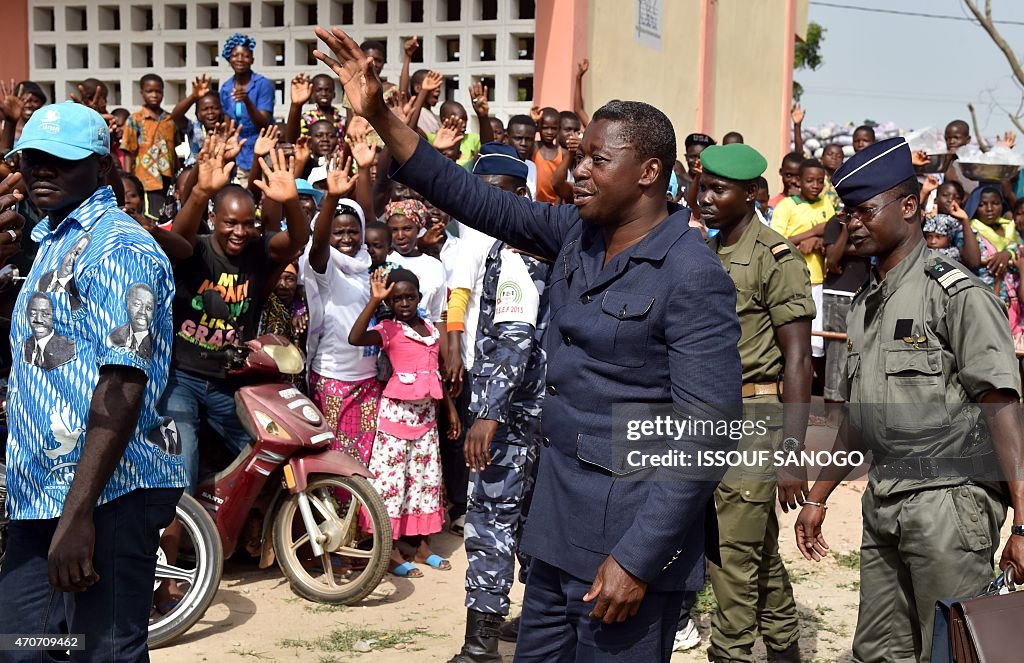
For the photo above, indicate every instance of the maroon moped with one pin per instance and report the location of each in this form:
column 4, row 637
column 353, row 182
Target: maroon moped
column 311, row 498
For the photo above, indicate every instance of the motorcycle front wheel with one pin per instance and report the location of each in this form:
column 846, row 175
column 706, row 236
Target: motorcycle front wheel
column 354, row 558
column 197, row 569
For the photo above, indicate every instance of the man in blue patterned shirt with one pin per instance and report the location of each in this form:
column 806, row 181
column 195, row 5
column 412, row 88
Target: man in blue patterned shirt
column 93, row 471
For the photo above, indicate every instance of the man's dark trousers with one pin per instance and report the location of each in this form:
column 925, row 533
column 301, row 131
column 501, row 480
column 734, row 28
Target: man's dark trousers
column 113, row 614
column 556, row 626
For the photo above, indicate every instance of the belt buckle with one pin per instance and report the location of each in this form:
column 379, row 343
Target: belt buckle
column 929, row 468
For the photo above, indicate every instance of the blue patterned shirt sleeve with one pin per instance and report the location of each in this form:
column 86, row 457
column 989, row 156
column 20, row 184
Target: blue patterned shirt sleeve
column 99, row 293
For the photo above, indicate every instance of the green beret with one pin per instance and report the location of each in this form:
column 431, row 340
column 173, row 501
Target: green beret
column 735, row 162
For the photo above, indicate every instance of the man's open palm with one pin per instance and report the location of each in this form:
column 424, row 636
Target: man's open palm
column 355, row 71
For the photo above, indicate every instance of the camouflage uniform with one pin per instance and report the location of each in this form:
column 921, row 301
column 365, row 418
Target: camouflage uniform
column 507, row 386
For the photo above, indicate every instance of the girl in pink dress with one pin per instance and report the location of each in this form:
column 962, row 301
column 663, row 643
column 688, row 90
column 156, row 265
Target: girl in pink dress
column 405, row 458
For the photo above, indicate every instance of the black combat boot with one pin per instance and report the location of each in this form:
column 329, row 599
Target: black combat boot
column 790, row 654
column 509, row 631
column 481, row 639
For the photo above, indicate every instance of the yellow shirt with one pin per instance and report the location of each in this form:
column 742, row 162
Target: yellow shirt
column 793, row 216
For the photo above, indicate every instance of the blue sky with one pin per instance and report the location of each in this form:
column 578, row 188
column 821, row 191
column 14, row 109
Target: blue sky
column 913, row 71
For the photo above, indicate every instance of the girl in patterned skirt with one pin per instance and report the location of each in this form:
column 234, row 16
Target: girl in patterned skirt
column 405, row 458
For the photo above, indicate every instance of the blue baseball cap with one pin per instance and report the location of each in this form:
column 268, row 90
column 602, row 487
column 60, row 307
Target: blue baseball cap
column 68, row 131
column 306, row 189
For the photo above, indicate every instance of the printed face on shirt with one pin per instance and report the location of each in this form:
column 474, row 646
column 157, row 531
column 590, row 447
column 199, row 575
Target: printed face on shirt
column 40, row 315
column 140, row 303
column 234, row 223
column 67, row 263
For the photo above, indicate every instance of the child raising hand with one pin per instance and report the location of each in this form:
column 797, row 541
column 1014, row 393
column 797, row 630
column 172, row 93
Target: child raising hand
column 405, row 458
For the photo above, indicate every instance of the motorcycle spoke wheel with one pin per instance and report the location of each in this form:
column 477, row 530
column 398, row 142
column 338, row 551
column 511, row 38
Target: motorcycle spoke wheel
column 354, row 559
column 166, row 571
column 197, row 572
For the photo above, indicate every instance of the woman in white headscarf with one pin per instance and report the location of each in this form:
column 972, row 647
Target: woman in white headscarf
column 335, row 270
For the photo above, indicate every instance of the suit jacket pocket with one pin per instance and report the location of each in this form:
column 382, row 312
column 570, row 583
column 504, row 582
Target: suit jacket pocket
column 626, row 318
column 593, row 486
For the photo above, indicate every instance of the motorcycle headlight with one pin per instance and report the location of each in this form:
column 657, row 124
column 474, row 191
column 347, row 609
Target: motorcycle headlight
column 270, row 426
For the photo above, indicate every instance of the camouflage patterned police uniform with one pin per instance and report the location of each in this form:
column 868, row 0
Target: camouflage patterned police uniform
column 507, row 383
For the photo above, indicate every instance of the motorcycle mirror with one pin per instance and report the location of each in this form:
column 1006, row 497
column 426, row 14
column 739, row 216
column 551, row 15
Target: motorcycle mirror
column 215, row 305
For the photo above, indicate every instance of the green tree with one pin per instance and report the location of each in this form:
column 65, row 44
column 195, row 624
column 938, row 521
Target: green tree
column 807, row 54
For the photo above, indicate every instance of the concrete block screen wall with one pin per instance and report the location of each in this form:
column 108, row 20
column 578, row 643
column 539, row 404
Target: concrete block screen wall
column 117, row 41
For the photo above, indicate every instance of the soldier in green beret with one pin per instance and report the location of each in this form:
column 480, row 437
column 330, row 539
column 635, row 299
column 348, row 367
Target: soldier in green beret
column 775, row 308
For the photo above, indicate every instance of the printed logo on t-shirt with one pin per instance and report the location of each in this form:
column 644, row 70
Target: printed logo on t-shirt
column 214, row 333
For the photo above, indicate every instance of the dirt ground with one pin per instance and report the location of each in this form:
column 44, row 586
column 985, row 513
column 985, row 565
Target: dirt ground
column 256, row 617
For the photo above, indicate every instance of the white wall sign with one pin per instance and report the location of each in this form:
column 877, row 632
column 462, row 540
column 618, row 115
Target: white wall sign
column 650, row 16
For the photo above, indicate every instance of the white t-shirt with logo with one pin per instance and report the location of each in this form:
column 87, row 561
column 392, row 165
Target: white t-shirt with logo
column 468, row 273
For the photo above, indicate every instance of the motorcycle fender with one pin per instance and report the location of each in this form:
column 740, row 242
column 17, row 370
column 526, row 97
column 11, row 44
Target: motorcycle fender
column 296, row 473
column 267, row 535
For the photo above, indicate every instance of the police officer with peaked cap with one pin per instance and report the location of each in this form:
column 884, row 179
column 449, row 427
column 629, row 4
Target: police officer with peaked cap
column 927, row 340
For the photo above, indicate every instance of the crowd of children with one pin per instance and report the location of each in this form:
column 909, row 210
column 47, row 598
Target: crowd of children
column 300, row 229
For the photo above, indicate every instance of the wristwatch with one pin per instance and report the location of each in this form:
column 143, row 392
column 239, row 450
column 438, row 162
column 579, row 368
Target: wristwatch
column 791, row 444
column 1018, row 530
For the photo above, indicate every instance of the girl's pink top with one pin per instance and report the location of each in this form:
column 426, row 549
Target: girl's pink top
column 414, row 360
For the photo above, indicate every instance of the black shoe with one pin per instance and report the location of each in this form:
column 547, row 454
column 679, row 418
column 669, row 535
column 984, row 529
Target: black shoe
column 481, row 644
column 509, row 631
column 790, row 654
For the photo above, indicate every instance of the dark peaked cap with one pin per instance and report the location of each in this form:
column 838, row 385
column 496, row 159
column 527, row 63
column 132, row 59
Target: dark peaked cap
column 874, row 170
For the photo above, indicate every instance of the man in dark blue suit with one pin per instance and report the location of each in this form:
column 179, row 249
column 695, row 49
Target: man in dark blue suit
column 641, row 312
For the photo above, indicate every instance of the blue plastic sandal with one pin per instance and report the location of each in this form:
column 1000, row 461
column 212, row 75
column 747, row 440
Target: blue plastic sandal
column 404, row 569
column 438, row 562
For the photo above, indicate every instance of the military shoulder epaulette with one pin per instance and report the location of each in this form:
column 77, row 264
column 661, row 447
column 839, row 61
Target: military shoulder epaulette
column 780, row 250
column 951, row 278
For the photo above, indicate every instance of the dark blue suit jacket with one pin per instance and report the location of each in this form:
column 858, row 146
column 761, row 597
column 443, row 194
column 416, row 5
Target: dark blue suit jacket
column 657, row 325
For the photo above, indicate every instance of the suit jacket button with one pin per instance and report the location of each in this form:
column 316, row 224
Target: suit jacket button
column 546, row 441
column 567, row 340
column 552, row 390
column 586, row 299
